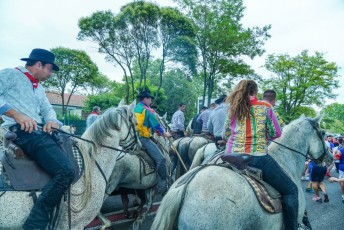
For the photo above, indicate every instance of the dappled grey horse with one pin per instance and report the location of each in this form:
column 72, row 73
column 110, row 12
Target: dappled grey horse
column 219, row 198
column 107, row 134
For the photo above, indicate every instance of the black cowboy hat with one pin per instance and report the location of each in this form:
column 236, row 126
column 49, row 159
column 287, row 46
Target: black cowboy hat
column 44, row 56
column 144, row 94
column 220, row 99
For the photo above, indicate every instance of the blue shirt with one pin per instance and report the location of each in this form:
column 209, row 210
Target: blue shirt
column 17, row 92
column 217, row 119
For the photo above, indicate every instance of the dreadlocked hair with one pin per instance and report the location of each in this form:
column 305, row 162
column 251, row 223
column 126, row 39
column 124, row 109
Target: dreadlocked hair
column 239, row 99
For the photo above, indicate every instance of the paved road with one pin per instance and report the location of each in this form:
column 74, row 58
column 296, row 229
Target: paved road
column 322, row 216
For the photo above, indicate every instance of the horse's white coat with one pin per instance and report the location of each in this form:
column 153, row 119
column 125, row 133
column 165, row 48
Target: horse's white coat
column 218, row 198
column 90, row 189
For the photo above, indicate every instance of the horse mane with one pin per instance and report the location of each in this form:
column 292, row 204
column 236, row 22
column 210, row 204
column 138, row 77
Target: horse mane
column 97, row 133
column 100, row 129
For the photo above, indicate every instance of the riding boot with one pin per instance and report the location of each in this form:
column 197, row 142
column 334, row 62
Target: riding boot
column 39, row 217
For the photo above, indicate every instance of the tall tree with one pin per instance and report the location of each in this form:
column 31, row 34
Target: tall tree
column 222, row 40
column 114, row 41
column 76, row 70
column 140, row 21
column 177, row 35
column 303, row 80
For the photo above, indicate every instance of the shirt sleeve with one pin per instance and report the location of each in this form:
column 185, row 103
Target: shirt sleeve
column 210, row 124
column 180, row 121
column 273, row 128
column 154, row 124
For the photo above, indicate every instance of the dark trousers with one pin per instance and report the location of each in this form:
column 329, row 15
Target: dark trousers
column 154, row 152
column 45, row 151
column 277, row 178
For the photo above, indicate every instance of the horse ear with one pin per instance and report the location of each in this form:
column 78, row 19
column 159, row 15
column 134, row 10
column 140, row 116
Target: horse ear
column 132, row 105
column 165, row 115
column 318, row 118
column 121, row 103
column 303, row 116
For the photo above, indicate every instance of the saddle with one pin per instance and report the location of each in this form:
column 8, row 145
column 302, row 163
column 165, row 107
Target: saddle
column 25, row 174
column 267, row 196
column 146, row 162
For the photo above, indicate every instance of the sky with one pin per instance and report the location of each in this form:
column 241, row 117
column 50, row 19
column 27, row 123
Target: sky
column 314, row 25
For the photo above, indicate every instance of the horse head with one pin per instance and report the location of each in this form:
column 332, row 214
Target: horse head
column 318, row 149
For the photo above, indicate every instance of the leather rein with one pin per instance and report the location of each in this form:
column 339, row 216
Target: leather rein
column 319, row 134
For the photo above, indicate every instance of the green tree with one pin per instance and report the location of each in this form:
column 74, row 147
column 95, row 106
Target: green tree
column 333, row 120
column 303, row 80
column 177, row 35
column 98, row 84
column 114, row 41
column 76, row 71
column 222, row 40
column 132, row 35
column 140, row 21
column 104, row 101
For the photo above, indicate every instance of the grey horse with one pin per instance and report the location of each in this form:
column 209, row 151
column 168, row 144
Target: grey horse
column 218, row 198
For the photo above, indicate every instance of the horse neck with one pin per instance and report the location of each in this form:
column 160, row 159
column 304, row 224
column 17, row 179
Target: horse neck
column 92, row 183
column 291, row 161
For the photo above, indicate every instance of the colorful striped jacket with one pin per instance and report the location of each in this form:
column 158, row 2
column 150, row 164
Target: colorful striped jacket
column 146, row 121
column 251, row 135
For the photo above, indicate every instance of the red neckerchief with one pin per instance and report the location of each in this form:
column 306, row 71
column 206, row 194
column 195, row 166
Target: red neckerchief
column 253, row 99
column 94, row 113
column 33, row 80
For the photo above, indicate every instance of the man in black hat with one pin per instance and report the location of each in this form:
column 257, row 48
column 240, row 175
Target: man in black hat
column 23, row 107
column 147, row 122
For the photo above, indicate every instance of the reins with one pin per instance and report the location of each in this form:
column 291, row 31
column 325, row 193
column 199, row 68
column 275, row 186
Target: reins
column 290, row 148
column 89, row 141
column 315, row 126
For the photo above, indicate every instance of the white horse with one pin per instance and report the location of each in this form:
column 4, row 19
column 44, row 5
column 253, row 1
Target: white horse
column 129, row 173
column 107, row 134
column 187, row 148
column 203, row 154
column 218, row 198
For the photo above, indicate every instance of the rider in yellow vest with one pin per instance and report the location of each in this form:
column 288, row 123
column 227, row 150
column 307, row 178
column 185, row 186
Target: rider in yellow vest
column 147, row 122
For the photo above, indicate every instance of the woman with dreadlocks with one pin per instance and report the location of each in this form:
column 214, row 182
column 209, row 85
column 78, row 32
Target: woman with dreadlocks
column 249, row 125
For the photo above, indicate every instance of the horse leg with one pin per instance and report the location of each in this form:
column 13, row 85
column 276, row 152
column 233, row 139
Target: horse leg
column 125, row 203
column 138, row 222
column 142, row 195
column 136, row 201
column 105, row 221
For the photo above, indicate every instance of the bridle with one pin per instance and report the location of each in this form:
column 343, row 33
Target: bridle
column 320, row 134
column 132, row 141
column 126, row 148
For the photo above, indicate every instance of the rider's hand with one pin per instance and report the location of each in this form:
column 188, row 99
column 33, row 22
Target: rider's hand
column 167, row 134
column 186, row 134
column 332, row 179
column 49, row 125
column 26, row 123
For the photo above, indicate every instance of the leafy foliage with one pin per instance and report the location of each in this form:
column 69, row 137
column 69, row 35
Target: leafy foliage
column 303, row 80
column 333, row 120
column 76, row 71
column 222, row 40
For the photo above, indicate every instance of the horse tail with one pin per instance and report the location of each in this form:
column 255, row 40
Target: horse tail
column 198, row 158
column 169, row 208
